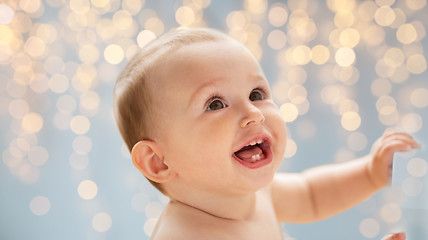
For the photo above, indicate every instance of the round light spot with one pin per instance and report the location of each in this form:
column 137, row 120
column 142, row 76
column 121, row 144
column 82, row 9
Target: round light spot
column 144, row 37
column 155, row 25
column 406, row 33
column 331, row 94
column 289, row 112
column 66, row 104
column 297, row 94
column 386, row 105
column 6, row 14
column 301, row 55
column 320, row 54
column 82, row 144
column 277, row 16
column 344, row 18
column 351, row 121
column 390, row 119
column 369, row 228
column 38, row 156
column 345, row 57
column 30, row 6
column 87, row 189
column 80, row 124
column 357, row 141
column 122, row 19
column 394, row 57
column 32, row 122
column 276, row 39
column 100, row 3
column 416, row 64
column 39, row 83
column 290, row 148
column 131, row 6
column 347, row 105
column 27, row 173
column 80, row 6
column 349, row 37
column 18, row 108
column 416, row 4
column 391, row 213
column 149, row 226
column 343, row 155
column 411, row 122
column 58, row 83
column 400, row 75
column 381, row 87
column 384, row 2
column 412, row 186
column 6, row 37
column 89, row 101
column 114, row 54
column 79, row 161
column 419, row 97
column 417, row 167
column 35, row 47
column 89, row 54
column 384, row 16
column 101, row 222
column 40, row 205
column 185, row 16
column 153, row 209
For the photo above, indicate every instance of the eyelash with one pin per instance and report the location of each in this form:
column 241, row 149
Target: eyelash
column 213, row 97
column 264, row 91
column 217, row 96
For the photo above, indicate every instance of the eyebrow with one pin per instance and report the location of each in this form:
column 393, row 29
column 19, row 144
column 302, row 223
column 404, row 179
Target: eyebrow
column 208, row 84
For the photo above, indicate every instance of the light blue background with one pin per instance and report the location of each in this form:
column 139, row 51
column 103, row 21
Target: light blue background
column 123, row 192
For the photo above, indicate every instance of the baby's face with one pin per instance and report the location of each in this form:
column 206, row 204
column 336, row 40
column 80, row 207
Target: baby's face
column 219, row 128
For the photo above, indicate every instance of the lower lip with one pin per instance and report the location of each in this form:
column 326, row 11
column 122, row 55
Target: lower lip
column 257, row 164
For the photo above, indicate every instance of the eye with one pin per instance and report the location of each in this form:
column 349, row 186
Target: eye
column 215, row 104
column 256, row 95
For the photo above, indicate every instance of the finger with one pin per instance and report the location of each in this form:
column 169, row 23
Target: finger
column 394, row 146
column 395, row 236
column 391, row 131
column 403, row 137
column 395, row 133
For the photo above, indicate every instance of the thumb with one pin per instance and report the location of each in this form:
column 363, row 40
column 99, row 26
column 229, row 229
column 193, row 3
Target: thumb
column 395, row 236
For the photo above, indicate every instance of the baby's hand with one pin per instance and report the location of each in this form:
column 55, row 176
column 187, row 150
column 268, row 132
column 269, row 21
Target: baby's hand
column 392, row 141
column 395, row 236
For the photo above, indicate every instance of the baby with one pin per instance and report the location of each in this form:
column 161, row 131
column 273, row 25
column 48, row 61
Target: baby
column 197, row 114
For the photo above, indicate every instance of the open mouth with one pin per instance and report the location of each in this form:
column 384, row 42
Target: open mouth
column 254, row 155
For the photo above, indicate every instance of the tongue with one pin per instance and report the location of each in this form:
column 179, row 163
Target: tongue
column 247, row 153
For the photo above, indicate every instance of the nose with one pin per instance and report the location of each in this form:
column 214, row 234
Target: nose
column 252, row 116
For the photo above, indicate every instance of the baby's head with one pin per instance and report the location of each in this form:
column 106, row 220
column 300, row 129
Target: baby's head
column 195, row 110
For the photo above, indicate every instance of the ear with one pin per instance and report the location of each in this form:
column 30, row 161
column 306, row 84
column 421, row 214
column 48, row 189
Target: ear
column 148, row 158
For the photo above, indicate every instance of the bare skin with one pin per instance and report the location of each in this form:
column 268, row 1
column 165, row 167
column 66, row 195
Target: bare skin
column 214, row 98
column 395, row 236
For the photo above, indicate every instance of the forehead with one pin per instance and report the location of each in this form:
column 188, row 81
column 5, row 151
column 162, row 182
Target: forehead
column 208, row 60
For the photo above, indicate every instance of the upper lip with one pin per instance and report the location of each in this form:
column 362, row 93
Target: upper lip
column 257, row 139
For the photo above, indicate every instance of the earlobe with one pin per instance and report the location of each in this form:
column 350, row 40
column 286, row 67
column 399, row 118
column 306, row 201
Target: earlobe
column 147, row 157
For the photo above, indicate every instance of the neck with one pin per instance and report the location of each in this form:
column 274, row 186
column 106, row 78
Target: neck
column 225, row 207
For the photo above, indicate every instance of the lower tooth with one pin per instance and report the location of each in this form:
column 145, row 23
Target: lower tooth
column 256, row 157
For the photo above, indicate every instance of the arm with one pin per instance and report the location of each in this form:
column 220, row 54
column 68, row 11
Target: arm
column 327, row 190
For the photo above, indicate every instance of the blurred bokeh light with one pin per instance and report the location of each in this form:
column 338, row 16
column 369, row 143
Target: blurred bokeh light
column 341, row 72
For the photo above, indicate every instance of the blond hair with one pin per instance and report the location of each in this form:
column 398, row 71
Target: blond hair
column 132, row 100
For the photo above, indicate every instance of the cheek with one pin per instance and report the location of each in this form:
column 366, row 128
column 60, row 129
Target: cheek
column 278, row 130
